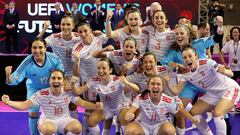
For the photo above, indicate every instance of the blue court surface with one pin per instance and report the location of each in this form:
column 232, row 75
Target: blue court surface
column 16, row 123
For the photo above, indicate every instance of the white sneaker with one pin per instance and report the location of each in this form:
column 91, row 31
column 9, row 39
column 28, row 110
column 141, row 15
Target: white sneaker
column 209, row 117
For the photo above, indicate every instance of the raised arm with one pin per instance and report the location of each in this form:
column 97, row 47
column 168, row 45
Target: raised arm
column 101, row 52
column 129, row 85
column 75, row 89
column 221, row 58
column 223, row 70
column 219, row 33
column 8, row 72
column 17, row 105
column 89, row 105
column 175, row 90
column 76, row 59
column 109, row 32
column 45, row 27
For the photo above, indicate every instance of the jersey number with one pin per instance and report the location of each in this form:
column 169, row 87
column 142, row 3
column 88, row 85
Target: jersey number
column 68, row 53
column 108, row 98
column 201, row 83
column 158, row 46
column 154, row 116
column 44, row 80
column 58, row 110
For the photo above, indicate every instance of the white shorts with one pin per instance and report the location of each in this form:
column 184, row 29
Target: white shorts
column 149, row 129
column 108, row 113
column 231, row 94
column 60, row 123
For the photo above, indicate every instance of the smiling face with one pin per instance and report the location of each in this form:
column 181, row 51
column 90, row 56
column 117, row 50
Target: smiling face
column 129, row 48
column 38, row 50
column 56, row 79
column 190, row 58
column 182, row 36
column 67, row 26
column 149, row 64
column 103, row 69
column 134, row 20
column 235, row 34
column 84, row 31
column 155, row 86
column 159, row 19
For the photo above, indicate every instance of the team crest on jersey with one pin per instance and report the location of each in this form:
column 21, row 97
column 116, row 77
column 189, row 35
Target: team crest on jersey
column 16, row 77
column 44, row 92
column 113, row 88
column 65, row 100
column 168, row 37
column 202, row 62
column 215, row 66
column 58, row 35
column 118, row 44
column 167, row 99
column 117, row 53
column 96, row 79
column 162, row 110
column 135, row 66
column 115, row 78
column 202, row 73
column 161, row 68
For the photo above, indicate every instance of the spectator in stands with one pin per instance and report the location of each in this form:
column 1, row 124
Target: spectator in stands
column 232, row 49
column 76, row 14
column 126, row 9
column 155, row 6
column 118, row 15
column 215, row 9
column 11, row 20
column 204, row 31
column 56, row 17
column 97, row 16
